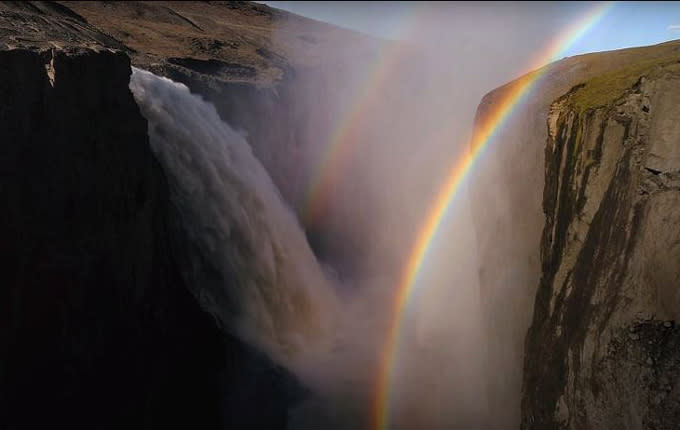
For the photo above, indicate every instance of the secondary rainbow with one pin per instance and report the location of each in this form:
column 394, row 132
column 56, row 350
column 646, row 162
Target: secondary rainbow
column 343, row 139
column 483, row 135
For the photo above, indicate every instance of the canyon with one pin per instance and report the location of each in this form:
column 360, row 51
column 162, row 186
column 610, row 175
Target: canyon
column 579, row 256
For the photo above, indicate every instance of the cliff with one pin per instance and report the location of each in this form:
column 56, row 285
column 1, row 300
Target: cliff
column 97, row 329
column 95, row 321
column 573, row 218
column 602, row 351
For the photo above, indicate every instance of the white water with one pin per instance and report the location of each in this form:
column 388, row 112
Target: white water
column 269, row 288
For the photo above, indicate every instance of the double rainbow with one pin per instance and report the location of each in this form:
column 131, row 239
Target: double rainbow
column 484, row 134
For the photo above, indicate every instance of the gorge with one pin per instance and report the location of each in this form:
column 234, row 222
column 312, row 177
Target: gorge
column 174, row 256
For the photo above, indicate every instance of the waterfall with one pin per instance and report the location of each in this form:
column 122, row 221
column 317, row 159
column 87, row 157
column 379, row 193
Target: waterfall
column 249, row 262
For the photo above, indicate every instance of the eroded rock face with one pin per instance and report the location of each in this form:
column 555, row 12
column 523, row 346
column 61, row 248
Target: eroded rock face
column 602, row 351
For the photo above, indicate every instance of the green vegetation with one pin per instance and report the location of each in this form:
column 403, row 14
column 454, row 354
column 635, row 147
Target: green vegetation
column 605, row 88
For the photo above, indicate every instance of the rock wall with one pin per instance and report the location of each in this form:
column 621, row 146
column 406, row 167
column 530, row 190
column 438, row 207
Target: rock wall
column 507, row 192
column 602, row 351
column 97, row 329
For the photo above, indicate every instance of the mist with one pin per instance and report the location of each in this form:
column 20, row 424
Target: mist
column 405, row 111
column 386, row 122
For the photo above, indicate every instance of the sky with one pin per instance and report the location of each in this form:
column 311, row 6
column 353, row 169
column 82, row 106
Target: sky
column 627, row 24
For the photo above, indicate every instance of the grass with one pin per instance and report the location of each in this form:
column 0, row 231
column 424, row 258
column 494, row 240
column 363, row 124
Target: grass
column 605, row 88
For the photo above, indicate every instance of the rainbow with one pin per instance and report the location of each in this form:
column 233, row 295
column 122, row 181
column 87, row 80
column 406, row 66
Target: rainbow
column 344, row 137
column 484, row 134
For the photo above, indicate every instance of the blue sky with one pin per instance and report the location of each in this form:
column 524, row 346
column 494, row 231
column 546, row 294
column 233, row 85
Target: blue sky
column 632, row 24
column 626, row 24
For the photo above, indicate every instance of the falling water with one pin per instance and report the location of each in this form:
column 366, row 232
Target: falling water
column 249, row 265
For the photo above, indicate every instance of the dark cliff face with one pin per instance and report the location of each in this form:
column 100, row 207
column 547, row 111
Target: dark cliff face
column 602, row 351
column 97, row 329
